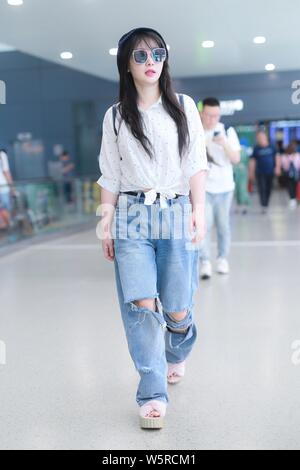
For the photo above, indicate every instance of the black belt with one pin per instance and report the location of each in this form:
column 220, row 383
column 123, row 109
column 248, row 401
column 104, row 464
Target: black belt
column 134, row 193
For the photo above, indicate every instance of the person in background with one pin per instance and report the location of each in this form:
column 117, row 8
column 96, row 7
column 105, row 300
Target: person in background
column 290, row 164
column 263, row 164
column 241, row 177
column 6, row 182
column 68, row 172
column 223, row 151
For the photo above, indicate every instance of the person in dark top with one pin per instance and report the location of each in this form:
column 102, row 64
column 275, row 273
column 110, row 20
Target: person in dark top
column 263, row 165
column 68, row 172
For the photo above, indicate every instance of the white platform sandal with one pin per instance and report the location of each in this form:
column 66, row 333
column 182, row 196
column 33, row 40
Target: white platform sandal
column 176, row 372
column 152, row 422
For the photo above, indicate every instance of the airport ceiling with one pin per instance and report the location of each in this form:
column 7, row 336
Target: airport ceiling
column 89, row 28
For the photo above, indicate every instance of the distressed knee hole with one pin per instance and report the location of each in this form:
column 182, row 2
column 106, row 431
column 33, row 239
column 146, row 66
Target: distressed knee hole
column 178, row 316
column 150, row 304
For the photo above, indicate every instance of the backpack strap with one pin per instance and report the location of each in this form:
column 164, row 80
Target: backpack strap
column 181, row 100
column 114, row 113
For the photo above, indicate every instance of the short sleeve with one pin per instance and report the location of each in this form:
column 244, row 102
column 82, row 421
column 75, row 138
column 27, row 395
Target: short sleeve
column 109, row 158
column 195, row 158
column 4, row 162
column 233, row 139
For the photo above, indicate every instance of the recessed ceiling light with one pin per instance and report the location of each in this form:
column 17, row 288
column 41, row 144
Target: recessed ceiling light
column 208, row 44
column 270, row 67
column 66, row 55
column 15, row 3
column 259, row 40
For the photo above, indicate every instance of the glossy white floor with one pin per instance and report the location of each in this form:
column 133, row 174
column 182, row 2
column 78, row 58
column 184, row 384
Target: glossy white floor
column 68, row 381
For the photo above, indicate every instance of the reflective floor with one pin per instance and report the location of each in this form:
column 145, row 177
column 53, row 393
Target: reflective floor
column 68, row 381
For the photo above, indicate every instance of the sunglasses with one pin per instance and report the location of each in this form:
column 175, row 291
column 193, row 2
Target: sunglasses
column 158, row 54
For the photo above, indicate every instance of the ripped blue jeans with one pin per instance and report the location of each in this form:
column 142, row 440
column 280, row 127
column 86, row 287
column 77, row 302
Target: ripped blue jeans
column 154, row 263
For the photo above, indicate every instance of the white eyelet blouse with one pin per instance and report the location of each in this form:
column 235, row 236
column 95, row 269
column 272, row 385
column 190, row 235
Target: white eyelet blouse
column 125, row 165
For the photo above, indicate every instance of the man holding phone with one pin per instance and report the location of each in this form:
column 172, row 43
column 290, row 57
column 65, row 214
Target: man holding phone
column 224, row 151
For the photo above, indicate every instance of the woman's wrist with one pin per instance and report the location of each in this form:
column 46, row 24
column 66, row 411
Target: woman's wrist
column 198, row 207
column 197, row 190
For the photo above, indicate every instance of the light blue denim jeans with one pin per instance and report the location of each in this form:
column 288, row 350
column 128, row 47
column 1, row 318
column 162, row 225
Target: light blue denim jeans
column 151, row 265
column 217, row 211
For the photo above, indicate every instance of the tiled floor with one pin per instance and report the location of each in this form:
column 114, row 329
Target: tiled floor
column 68, row 381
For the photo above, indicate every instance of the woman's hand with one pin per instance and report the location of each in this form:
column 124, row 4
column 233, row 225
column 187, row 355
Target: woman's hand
column 197, row 198
column 106, row 210
column 108, row 247
column 106, row 237
column 197, row 225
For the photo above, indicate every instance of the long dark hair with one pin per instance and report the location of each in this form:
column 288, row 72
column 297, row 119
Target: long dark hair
column 128, row 97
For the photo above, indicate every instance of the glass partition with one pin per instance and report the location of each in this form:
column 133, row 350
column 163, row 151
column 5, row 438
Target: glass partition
column 31, row 208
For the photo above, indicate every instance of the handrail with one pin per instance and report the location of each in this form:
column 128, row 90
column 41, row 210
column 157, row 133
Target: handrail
column 91, row 178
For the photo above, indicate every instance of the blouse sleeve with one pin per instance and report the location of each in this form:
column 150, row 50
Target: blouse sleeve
column 195, row 158
column 109, row 158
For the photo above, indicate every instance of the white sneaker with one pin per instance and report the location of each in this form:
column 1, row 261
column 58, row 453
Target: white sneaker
column 222, row 266
column 293, row 204
column 206, row 270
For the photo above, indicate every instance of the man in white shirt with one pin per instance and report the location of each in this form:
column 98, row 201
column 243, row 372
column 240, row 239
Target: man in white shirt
column 223, row 149
column 5, row 181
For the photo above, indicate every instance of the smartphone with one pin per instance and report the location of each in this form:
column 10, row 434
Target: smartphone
column 216, row 133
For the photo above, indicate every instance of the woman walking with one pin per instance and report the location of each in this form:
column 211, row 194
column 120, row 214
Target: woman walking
column 153, row 164
column 290, row 164
column 264, row 163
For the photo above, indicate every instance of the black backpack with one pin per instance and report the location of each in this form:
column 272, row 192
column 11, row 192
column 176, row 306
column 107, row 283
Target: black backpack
column 114, row 112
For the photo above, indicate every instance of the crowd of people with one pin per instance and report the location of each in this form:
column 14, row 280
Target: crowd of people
column 264, row 164
column 233, row 171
